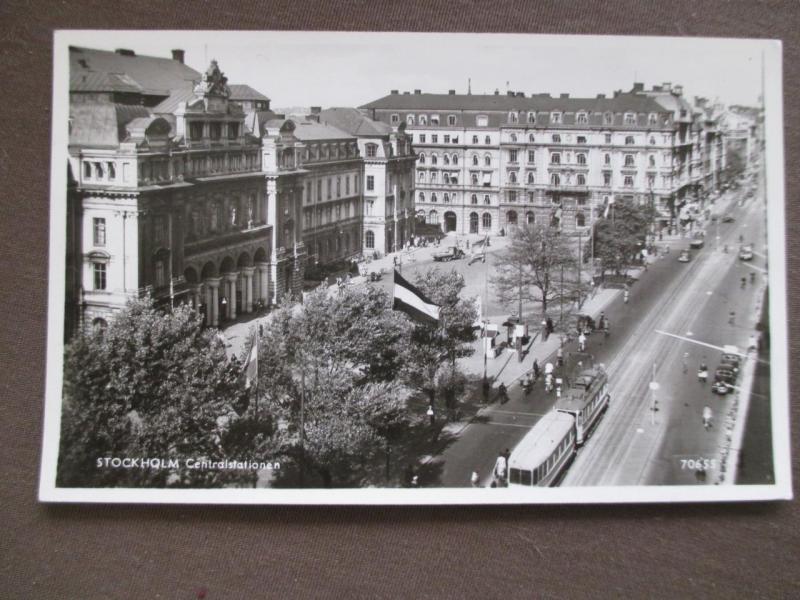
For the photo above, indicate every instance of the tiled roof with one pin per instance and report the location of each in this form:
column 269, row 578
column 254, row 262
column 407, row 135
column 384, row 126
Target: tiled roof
column 491, row 102
column 355, row 122
column 309, row 131
column 101, row 125
column 152, row 75
column 88, row 81
column 245, row 92
column 170, row 104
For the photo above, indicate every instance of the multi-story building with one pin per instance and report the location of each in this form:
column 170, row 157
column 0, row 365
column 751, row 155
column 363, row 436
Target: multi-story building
column 487, row 162
column 167, row 198
column 741, row 129
column 389, row 168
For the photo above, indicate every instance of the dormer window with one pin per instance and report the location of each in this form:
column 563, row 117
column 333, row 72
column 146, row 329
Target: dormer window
column 608, row 118
column 372, row 150
column 451, row 120
column 555, row 117
column 582, row 117
column 395, row 119
column 630, row 118
column 423, row 119
column 531, row 117
column 410, row 119
column 482, row 121
column 652, row 119
column 512, row 117
column 434, row 120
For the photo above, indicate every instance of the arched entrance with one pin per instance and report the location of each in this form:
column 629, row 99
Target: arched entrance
column 473, row 222
column 450, row 221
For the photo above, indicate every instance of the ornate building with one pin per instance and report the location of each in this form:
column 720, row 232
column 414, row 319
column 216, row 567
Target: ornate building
column 168, row 200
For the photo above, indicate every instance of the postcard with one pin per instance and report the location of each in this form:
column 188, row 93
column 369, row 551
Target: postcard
column 406, row 268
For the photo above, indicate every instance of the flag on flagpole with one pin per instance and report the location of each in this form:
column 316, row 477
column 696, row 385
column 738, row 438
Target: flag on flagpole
column 413, row 302
column 250, row 368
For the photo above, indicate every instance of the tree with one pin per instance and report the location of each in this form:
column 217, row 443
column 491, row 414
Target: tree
column 154, row 385
column 530, row 270
column 327, row 373
column 620, row 236
column 431, row 345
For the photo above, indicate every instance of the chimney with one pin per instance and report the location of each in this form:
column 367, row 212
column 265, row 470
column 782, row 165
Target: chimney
column 315, row 110
column 417, row 92
column 677, row 90
column 406, row 93
column 125, row 52
column 564, row 96
column 451, row 92
column 496, row 92
column 510, row 93
column 600, row 96
column 393, row 92
column 638, row 87
column 520, row 94
column 177, row 55
column 666, row 86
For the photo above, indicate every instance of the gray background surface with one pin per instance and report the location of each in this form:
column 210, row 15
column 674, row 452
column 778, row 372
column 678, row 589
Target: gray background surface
column 744, row 550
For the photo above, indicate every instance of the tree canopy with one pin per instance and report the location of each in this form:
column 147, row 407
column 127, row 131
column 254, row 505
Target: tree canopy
column 622, row 235
column 154, row 385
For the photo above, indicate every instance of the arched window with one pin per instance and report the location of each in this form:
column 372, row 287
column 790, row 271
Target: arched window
column 446, row 159
column 512, row 177
column 581, row 180
column 651, row 160
column 422, row 196
column 487, row 199
column 422, row 158
column 410, row 119
column 530, row 138
column 455, row 159
column 423, row 119
column 422, row 175
column 433, row 217
column 475, row 160
column 530, row 218
column 446, row 198
column 474, row 199
column 555, row 179
column 607, row 159
column 608, row 118
column 531, row 118
column 370, row 240
column 580, row 220
column 473, row 222
column 511, row 217
column 487, row 220
column 652, row 141
column 434, row 159
column 629, row 160
column 487, row 140
column 530, row 178
column 581, row 159
column 474, row 179
column 512, row 117
column 99, row 325
column 434, row 199
column 487, row 160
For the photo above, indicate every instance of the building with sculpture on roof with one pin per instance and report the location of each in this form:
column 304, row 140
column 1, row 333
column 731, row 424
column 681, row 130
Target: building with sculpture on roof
column 166, row 198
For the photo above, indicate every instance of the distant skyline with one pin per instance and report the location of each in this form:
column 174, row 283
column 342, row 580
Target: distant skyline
column 354, row 68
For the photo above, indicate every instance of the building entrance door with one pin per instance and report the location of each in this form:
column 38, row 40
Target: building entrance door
column 450, row 221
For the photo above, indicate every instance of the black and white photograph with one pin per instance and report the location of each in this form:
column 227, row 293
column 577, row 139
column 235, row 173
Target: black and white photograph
column 415, row 268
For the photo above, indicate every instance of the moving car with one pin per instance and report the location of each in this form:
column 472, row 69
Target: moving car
column 451, row 253
column 684, row 256
column 746, row 252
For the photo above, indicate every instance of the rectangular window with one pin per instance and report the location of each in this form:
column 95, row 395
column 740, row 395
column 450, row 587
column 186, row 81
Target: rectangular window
column 87, row 170
column 422, row 138
column 347, row 185
column 215, row 130
column 395, row 119
column 608, row 138
column 434, row 138
column 447, row 139
column 319, row 190
column 330, row 188
column 555, row 117
column 112, row 171
column 451, row 119
column 370, row 183
column 512, row 156
column 512, row 196
column 195, row 131
column 581, row 139
column 233, row 131
column 606, row 179
column 531, row 156
column 474, row 139
column 99, row 272
column 99, row 232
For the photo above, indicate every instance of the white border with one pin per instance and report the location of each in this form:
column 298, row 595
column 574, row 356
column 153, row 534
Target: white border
column 782, row 488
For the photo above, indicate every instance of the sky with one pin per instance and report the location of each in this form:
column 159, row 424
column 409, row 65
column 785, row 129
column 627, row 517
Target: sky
column 353, row 68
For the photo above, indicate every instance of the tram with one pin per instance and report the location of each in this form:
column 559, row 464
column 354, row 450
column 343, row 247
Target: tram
column 545, row 452
column 586, row 400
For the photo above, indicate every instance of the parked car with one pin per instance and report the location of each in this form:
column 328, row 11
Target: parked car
column 697, row 241
column 746, row 252
column 685, row 256
column 731, row 361
column 451, row 253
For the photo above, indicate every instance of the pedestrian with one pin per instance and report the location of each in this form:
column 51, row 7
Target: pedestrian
column 582, row 342
column 625, row 296
column 535, row 369
column 499, row 472
column 550, row 327
column 475, row 479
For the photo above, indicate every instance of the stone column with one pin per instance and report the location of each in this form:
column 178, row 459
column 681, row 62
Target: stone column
column 263, row 288
column 231, row 279
column 212, row 310
column 247, row 296
column 209, row 300
column 194, row 296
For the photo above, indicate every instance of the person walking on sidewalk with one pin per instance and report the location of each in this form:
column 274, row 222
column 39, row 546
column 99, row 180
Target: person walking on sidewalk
column 500, row 467
column 535, row 370
column 475, row 479
column 582, row 342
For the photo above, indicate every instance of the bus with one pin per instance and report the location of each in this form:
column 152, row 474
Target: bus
column 544, row 453
column 585, row 399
